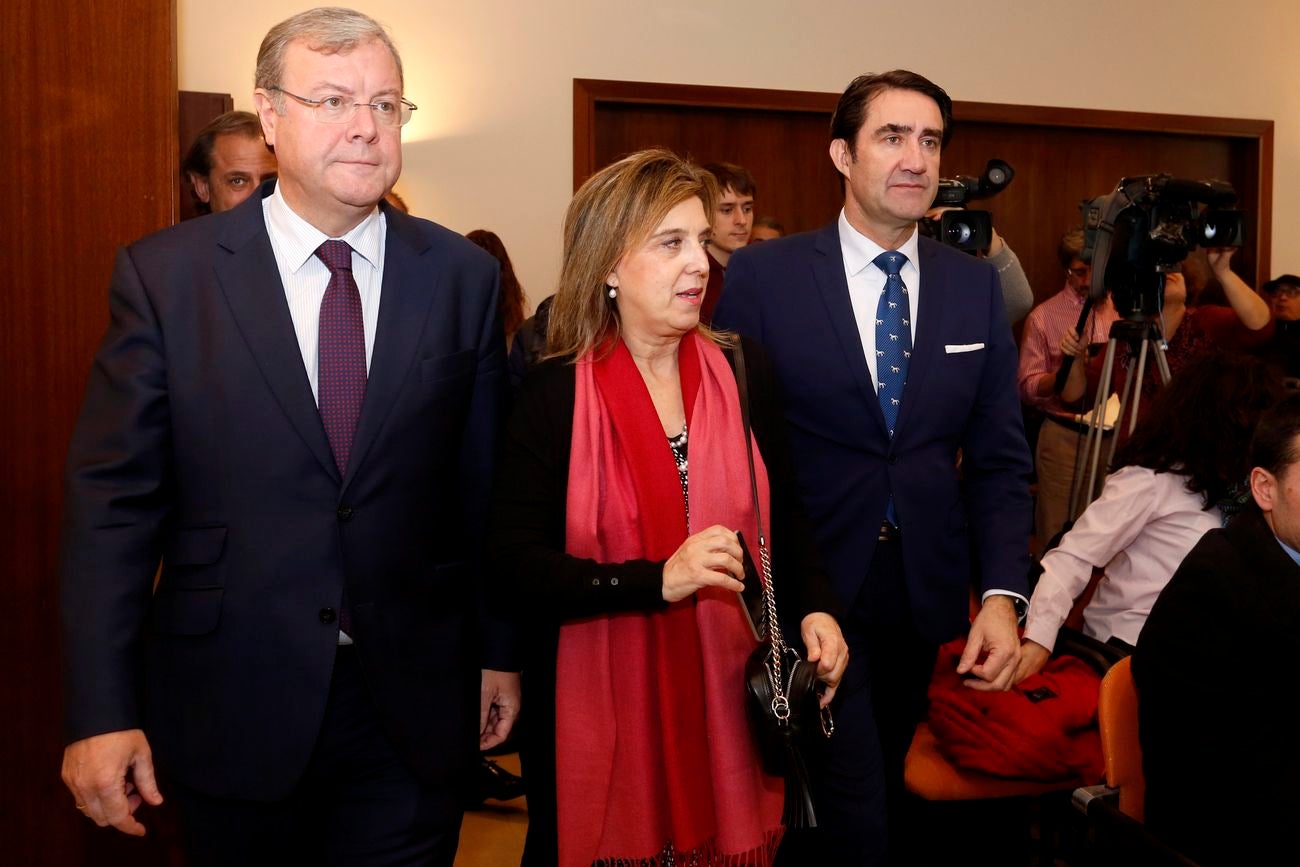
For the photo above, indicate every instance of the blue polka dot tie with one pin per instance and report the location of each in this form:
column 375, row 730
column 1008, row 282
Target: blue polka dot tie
column 893, row 344
column 341, row 354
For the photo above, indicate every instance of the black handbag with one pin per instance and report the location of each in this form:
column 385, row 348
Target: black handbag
column 783, row 688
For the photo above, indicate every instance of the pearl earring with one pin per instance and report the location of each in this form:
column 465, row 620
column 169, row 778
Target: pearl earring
column 613, row 293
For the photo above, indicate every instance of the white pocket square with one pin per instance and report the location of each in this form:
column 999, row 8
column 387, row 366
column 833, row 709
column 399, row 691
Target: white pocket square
column 952, row 348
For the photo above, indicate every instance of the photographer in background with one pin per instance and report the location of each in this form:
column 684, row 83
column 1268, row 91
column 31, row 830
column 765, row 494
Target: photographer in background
column 1048, row 337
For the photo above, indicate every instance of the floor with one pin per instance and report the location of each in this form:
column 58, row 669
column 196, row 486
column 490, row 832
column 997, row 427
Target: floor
column 494, row 835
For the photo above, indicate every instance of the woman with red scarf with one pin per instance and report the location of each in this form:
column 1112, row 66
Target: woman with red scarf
column 625, row 558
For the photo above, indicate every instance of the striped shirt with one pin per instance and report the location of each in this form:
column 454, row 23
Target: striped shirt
column 1040, row 343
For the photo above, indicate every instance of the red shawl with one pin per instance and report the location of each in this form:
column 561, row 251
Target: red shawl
column 654, row 753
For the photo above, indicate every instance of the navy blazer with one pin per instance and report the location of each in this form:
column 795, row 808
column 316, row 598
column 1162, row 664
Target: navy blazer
column 200, row 444
column 959, row 526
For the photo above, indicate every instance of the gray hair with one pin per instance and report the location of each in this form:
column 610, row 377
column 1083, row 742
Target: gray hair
column 327, row 29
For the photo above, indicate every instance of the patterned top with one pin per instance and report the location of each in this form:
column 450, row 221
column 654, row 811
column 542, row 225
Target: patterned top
column 678, row 445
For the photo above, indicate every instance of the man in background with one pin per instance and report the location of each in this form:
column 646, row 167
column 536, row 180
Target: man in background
column 1050, row 336
column 766, row 229
column 1212, row 667
column 1282, row 351
column 733, row 217
column 227, row 162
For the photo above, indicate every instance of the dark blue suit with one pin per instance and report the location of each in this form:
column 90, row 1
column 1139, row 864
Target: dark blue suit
column 959, row 528
column 200, row 444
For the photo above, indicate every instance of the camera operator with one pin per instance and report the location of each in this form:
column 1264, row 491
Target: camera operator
column 1017, row 295
column 1189, row 329
column 1048, row 337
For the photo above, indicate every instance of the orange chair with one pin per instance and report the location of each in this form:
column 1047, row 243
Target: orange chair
column 1117, row 715
column 1117, row 810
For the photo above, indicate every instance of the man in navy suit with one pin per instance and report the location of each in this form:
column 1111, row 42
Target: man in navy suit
column 295, row 409
column 898, row 370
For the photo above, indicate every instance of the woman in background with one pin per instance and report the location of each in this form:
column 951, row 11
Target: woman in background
column 511, row 304
column 1182, row 473
column 625, row 558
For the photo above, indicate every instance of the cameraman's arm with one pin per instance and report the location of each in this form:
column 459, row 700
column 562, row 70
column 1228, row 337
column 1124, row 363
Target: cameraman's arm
column 1017, row 296
column 1251, row 309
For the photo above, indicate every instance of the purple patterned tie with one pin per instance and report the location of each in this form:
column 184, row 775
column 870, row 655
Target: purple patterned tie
column 341, row 353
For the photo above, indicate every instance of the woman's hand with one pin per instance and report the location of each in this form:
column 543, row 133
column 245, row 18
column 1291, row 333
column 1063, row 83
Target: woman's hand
column 710, row 558
column 826, row 647
column 1033, row 656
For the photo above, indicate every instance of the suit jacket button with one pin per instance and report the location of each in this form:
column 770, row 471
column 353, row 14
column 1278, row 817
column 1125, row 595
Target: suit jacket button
column 328, row 616
column 345, row 513
column 893, row 459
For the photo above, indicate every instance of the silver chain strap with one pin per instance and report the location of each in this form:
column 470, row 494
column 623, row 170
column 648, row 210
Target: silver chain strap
column 775, row 659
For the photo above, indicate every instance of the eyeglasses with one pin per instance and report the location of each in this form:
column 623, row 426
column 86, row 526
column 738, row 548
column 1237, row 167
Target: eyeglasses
column 1287, row 291
column 1079, row 273
column 336, row 109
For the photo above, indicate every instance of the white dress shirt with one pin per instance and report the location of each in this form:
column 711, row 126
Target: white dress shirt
column 305, row 276
column 1139, row 529
column 867, row 284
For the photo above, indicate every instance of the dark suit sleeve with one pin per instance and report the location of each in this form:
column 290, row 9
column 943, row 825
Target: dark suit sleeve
column 796, row 566
column 478, row 460
column 528, row 526
column 117, row 499
column 996, row 463
column 737, row 311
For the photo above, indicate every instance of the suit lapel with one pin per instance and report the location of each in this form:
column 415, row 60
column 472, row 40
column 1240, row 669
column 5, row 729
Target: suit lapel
column 408, row 290
column 828, row 273
column 250, row 279
column 926, row 344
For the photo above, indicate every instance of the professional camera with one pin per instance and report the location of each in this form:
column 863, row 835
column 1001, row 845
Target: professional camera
column 1145, row 228
column 966, row 229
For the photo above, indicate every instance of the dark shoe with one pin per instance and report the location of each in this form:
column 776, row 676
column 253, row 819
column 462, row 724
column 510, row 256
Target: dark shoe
column 490, row 780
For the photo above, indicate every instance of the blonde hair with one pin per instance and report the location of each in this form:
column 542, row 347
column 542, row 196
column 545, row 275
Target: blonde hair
column 327, row 29
column 614, row 211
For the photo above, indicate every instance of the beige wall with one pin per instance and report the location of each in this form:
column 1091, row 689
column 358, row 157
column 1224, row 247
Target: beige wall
column 491, row 146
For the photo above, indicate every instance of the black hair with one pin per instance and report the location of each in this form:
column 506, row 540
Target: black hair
column 1274, row 447
column 851, row 111
column 1200, row 425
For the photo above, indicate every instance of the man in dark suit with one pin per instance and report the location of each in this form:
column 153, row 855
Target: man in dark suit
column 295, row 408
column 918, row 493
column 1214, row 667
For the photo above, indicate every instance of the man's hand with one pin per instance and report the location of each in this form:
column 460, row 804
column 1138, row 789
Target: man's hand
column 110, row 775
column 825, row 644
column 498, row 707
column 993, row 633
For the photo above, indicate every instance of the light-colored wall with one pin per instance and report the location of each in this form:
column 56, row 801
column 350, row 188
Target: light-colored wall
column 491, row 146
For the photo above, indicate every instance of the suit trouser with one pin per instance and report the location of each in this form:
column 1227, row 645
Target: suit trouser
column 858, row 780
column 357, row 804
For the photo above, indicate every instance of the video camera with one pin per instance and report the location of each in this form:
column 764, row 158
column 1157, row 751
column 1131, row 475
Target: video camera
column 1141, row 231
column 966, row 229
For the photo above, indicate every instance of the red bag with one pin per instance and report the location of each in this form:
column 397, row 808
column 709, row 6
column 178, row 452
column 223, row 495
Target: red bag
column 1044, row 728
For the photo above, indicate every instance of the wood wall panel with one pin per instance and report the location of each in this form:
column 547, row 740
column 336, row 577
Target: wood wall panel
column 1060, row 155
column 90, row 163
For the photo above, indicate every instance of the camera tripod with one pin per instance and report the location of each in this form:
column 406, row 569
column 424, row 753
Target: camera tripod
column 1143, row 337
